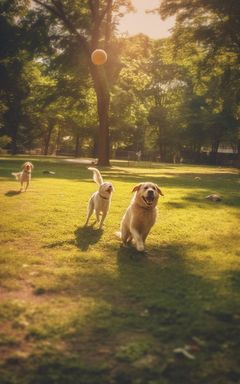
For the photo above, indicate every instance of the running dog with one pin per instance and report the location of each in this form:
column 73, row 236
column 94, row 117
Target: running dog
column 100, row 200
column 25, row 175
column 141, row 215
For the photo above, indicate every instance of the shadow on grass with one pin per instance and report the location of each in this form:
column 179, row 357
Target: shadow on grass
column 176, row 205
column 12, row 193
column 153, row 254
column 161, row 298
column 200, row 198
column 86, row 236
column 234, row 277
column 213, row 182
column 155, row 301
column 61, row 243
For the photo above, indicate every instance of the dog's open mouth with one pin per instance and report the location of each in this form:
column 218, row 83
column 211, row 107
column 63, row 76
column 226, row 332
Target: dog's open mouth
column 148, row 199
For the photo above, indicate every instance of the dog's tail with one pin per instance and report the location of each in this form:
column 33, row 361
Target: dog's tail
column 97, row 177
column 16, row 175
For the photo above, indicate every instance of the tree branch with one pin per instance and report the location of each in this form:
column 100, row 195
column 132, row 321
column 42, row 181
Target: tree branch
column 47, row 6
column 58, row 10
column 105, row 10
column 94, row 6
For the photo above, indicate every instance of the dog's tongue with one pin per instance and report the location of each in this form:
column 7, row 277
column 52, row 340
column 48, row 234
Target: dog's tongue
column 150, row 199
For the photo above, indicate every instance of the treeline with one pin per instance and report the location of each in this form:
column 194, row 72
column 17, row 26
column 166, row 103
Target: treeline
column 162, row 97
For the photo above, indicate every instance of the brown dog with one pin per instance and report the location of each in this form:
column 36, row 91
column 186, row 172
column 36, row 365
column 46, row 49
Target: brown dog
column 25, row 175
column 140, row 215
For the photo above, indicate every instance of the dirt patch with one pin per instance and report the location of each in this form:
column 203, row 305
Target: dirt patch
column 25, row 294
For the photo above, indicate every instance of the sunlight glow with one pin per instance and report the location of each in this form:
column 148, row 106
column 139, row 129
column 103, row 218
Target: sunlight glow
column 147, row 23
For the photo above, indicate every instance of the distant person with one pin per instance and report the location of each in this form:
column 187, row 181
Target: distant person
column 176, row 157
column 139, row 155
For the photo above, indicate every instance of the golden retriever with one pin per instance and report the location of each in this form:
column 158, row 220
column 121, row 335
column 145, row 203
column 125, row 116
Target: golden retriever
column 140, row 215
column 100, row 200
column 25, row 175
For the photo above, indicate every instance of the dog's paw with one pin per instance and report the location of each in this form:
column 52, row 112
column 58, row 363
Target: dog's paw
column 118, row 234
column 140, row 247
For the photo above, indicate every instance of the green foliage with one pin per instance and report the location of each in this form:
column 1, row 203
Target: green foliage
column 207, row 41
column 167, row 95
column 4, row 141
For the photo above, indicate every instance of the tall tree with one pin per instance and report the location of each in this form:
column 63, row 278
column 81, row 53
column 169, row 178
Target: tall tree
column 90, row 25
column 13, row 89
column 214, row 27
column 17, row 48
column 215, row 22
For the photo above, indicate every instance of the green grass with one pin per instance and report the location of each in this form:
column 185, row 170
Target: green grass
column 76, row 307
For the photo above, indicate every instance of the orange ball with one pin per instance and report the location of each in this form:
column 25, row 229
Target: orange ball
column 99, row 57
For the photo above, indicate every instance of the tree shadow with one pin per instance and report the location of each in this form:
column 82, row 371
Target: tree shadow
column 218, row 182
column 234, row 277
column 176, row 205
column 12, row 193
column 156, row 300
column 157, row 295
column 200, row 197
column 86, row 236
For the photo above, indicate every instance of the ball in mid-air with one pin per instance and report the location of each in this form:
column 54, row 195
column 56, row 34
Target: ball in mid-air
column 99, row 57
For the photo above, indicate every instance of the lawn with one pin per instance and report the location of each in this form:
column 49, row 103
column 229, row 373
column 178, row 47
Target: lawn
column 77, row 308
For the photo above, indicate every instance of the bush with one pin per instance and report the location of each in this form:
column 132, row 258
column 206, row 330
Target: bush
column 4, row 141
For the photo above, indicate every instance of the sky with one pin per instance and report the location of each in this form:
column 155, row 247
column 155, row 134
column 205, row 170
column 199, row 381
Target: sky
column 149, row 24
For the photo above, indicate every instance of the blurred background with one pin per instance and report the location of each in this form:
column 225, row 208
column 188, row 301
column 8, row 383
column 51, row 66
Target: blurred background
column 169, row 91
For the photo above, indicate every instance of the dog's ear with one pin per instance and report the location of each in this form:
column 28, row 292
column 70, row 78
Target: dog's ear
column 136, row 188
column 23, row 166
column 159, row 190
column 32, row 165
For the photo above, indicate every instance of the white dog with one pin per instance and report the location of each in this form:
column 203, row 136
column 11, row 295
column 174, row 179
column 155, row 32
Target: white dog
column 25, row 175
column 140, row 215
column 100, row 200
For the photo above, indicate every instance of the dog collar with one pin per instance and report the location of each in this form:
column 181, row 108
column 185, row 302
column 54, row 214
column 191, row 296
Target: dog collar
column 104, row 198
column 27, row 172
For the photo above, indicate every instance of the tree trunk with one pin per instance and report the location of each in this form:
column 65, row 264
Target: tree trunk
column 103, row 103
column 161, row 150
column 99, row 75
column 95, row 147
column 47, row 138
column 13, row 124
column 77, row 145
column 14, row 140
column 58, row 140
column 103, row 135
column 213, row 154
column 215, row 146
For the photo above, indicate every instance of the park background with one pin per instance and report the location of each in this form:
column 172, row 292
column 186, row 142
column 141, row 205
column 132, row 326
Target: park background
column 75, row 306
column 172, row 98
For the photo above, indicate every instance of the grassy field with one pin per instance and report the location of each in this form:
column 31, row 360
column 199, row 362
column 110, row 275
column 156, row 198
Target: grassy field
column 77, row 308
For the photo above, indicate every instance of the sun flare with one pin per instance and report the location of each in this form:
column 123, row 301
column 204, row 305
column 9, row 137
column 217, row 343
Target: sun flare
column 144, row 22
